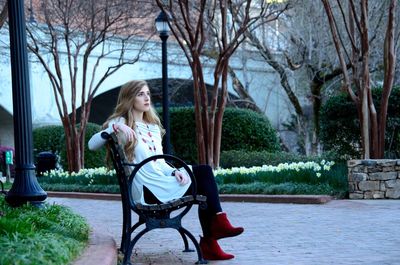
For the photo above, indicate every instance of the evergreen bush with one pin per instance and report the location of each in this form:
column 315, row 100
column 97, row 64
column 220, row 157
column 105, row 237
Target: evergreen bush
column 52, row 138
column 240, row 158
column 48, row 138
column 92, row 158
column 340, row 126
column 241, row 130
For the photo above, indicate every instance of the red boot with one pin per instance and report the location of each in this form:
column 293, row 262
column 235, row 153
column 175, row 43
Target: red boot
column 221, row 227
column 212, row 251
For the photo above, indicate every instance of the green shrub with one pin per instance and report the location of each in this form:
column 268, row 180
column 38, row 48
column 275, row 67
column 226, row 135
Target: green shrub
column 244, row 129
column 48, row 138
column 183, row 133
column 52, row 138
column 340, row 126
column 239, row 158
column 32, row 235
column 93, row 158
column 241, row 130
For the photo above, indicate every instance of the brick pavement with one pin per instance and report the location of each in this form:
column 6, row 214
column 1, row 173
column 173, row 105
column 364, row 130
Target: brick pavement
column 339, row 232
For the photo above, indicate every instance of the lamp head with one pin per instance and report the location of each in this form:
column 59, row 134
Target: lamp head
column 162, row 23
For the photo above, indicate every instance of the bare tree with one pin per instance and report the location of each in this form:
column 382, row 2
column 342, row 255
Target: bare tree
column 3, row 14
column 189, row 24
column 80, row 35
column 353, row 47
column 270, row 13
column 298, row 50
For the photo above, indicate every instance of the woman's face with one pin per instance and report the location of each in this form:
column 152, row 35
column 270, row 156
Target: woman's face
column 142, row 100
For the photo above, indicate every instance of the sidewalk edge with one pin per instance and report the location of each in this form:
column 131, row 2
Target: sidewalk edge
column 101, row 250
column 258, row 198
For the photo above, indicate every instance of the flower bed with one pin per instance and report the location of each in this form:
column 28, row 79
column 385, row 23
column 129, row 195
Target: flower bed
column 323, row 177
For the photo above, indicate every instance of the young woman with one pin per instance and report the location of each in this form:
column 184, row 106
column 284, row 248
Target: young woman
column 136, row 122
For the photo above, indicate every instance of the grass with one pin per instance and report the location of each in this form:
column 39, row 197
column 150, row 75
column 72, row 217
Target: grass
column 33, row 236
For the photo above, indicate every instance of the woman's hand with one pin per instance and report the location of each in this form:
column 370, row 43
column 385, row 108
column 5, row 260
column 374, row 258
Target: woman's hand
column 127, row 131
column 182, row 178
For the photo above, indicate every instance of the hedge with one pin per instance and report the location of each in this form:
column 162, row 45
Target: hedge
column 240, row 158
column 48, row 138
column 52, row 138
column 340, row 126
column 241, row 130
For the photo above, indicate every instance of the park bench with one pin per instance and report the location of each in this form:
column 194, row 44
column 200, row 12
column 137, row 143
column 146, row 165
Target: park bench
column 153, row 216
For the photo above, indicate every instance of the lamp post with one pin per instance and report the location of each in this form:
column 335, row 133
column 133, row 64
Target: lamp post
column 31, row 16
column 25, row 187
column 163, row 30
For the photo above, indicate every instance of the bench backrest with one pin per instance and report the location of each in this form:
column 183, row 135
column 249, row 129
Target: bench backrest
column 123, row 170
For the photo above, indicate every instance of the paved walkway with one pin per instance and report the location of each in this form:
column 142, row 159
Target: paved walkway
column 339, row 232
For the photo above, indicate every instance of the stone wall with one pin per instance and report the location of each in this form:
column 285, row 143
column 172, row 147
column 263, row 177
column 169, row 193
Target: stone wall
column 374, row 179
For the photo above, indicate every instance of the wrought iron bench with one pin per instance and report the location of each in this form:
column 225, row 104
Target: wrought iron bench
column 154, row 215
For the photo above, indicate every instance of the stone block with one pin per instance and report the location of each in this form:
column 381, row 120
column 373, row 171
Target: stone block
column 369, row 162
column 388, row 169
column 353, row 163
column 374, row 195
column 358, row 177
column 393, row 193
column 382, row 176
column 374, row 169
column 368, row 195
column 382, row 185
column 392, row 183
column 387, row 162
column 356, row 169
column 356, row 196
column 368, row 185
column 378, row 195
column 351, row 187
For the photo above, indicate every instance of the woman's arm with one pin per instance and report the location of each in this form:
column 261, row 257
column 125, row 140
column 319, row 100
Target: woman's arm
column 115, row 125
column 96, row 141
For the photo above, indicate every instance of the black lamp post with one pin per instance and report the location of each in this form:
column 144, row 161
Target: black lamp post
column 31, row 16
column 163, row 29
column 25, row 187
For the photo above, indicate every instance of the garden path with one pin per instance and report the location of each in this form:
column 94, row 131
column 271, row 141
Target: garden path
column 338, row 232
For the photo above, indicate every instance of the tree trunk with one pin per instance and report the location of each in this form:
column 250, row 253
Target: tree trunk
column 389, row 64
column 4, row 14
column 201, row 148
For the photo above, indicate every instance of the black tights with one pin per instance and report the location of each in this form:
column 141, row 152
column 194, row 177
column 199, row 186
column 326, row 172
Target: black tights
column 206, row 186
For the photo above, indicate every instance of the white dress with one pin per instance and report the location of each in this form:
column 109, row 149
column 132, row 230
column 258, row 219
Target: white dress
column 155, row 175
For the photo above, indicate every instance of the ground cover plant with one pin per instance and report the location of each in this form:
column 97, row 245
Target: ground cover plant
column 48, row 235
column 323, row 177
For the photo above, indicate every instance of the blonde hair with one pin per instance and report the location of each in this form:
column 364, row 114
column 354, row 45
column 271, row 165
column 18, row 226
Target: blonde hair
column 124, row 109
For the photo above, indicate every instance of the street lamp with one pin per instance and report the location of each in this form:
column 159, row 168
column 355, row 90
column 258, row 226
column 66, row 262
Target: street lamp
column 163, row 29
column 31, row 16
column 25, row 187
